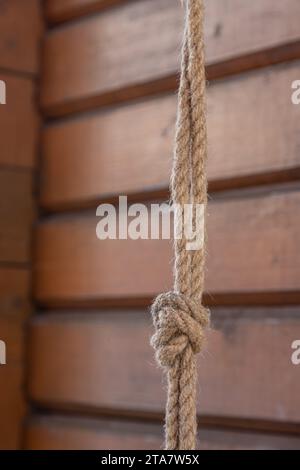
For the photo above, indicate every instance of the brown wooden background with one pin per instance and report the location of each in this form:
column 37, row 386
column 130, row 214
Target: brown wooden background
column 20, row 35
column 109, row 74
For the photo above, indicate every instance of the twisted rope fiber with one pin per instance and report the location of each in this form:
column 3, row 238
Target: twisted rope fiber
column 179, row 318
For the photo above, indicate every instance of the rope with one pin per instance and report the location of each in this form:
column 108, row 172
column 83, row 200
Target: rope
column 179, row 317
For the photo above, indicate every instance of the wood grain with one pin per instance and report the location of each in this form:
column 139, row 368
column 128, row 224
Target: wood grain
column 19, row 123
column 58, row 11
column 80, row 72
column 60, row 433
column 16, row 215
column 245, row 369
column 252, row 251
column 128, row 150
column 21, row 29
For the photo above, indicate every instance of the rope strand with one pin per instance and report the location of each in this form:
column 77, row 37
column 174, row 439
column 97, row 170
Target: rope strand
column 179, row 317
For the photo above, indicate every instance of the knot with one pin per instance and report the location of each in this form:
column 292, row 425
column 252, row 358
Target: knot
column 179, row 323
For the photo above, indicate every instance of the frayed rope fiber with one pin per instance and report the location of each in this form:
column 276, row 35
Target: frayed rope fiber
column 179, row 317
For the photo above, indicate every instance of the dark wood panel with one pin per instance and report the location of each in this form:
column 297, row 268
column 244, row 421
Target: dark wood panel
column 16, row 215
column 252, row 250
column 12, row 407
column 81, row 72
column 14, row 308
column 12, row 403
column 64, row 10
column 245, row 369
column 59, row 433
column 21, row 31
column 128, row 150
column 14, row 291
column 18, row 123
column 20, row 36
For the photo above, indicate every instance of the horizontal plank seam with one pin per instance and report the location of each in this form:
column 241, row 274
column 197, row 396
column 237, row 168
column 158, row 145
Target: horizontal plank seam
column 14, row 168
column 264, row 58
column 15, row 265
column 214, row 186
column 19, row 74
column 88, row 206
column 205, row 421
column 215, row 299
column 220, row 316
column 72, row 16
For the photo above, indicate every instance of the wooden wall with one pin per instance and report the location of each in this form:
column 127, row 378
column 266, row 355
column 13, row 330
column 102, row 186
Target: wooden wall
column 19, row 126
column 108, row 100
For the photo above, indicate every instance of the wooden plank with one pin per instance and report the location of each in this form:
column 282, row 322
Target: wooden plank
column 21, row 30
column 68, row 433
column 237, row 380
column 81, row 72
column 137, row 24
column 58, row 11
column 12, row 403
column 16, row 215
column 241, row 265
column 14, row 292
column 12, row 407
column 18, row 123
column 71, row 433
column 128, row 150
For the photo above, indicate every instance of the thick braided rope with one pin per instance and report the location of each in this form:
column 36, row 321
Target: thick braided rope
column 179, row 317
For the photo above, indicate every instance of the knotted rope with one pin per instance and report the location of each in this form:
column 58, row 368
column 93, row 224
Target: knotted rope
column 179, row 317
